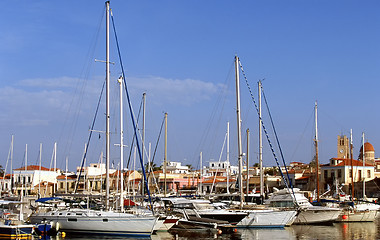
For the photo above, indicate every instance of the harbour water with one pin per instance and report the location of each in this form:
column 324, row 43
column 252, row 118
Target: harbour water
column 346, row 231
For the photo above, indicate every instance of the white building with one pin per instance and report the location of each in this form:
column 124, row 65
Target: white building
column 27, row 178
column 5, row 183
column 176, row 167
column 214, row 165
column 95, row 169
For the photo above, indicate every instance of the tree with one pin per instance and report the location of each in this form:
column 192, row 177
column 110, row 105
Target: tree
column 153, row 165
column 191, row 168
column 271, row 171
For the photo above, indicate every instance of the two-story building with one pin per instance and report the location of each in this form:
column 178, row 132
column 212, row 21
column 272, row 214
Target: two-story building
column 30, row 179
column 343, row 171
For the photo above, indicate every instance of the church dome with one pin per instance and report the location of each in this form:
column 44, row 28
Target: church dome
column 367, row 147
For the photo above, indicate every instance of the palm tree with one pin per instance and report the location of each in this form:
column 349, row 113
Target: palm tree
column 191, row 168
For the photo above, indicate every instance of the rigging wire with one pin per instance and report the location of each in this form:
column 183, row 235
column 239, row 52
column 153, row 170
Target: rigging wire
column 89, row 138
column 302, row 135
column 133, row 138
column 267, row 136
column 277, row 140
column 219, row 106
column 158, row 139
column 78, row 94
column 131, row 113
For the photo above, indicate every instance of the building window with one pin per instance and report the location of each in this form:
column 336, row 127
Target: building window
column 339, row 173
column 368, row 173
column 325, row 174
column 350, row 173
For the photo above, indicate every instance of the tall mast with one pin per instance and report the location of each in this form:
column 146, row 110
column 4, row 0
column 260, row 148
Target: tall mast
column 240, row 151
column 12, row 179
column 55, row 165
column 39, row 174
column 200, row 173
column 67, row 159
column 261, row 147
column 316, row 147
column 120, row 81
column 247, row 162
column 352, row 166
column 228, row 157
column 107, row 103
column 363, row 154
column 143, row 139
column 26, row 164
column 166, row 151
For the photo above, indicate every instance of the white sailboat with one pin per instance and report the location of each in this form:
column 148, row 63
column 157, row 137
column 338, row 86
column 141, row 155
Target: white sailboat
column 309, row 214
column 106, row 222
column 267, row 217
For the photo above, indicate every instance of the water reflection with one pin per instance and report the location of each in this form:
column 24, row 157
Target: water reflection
column 266, row 233
column 359, row 230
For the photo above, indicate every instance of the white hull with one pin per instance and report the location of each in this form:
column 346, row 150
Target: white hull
column 318, row 215
column 159, row 224
column 98, row 222
column 309, row 214
column 267, row 219
column 357, row 216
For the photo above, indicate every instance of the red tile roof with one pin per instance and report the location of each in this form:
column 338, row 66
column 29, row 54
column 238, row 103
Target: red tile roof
column 64, row 177
column 43, row 184
column 32, row 167
column 347, row 162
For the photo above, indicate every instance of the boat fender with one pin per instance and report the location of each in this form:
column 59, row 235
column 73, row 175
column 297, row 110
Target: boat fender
column 57, row 226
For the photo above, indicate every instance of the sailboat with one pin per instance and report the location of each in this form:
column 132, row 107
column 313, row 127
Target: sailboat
column 108, row 222
column 12, row 224
column 259, row 218
column 309, row 214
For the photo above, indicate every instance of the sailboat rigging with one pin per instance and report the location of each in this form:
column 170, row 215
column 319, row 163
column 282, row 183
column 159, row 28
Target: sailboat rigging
column 107, row 222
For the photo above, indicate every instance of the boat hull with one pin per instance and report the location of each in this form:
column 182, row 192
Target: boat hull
column 16, row 231
column 100, row 223
column 267, row 219
column 233, row 217
column 358, row 216
column 318, row 215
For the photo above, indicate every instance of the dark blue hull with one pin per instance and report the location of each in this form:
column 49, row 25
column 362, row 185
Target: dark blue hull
column 16, row 231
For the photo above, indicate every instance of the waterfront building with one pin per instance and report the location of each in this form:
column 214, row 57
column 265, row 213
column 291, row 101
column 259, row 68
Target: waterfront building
column 341, row 171
column 95, row 169
column 30, row 179
column 5, row 184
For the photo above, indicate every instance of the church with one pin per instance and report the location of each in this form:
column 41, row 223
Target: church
column 344, row 169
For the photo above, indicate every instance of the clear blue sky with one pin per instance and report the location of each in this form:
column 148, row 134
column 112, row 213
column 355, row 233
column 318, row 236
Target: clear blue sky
column 181, row 54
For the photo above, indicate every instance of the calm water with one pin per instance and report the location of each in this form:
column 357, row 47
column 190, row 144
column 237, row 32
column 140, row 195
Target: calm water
column 367, row 231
